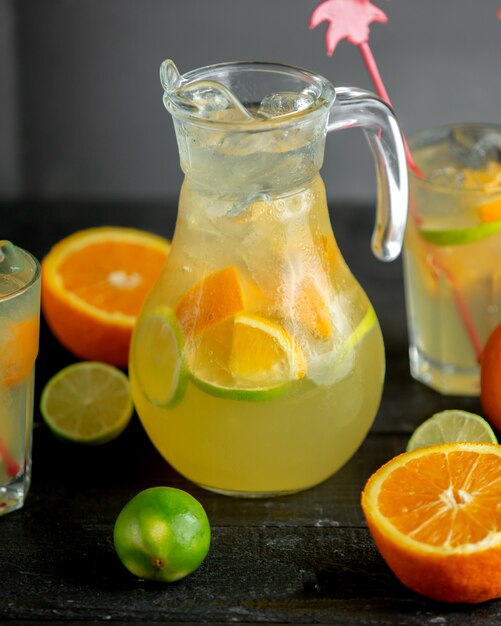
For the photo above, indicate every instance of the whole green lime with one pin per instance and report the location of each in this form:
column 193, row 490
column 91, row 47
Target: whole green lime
column 162, row 534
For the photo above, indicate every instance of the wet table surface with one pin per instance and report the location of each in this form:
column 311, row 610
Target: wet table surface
column 304, row 558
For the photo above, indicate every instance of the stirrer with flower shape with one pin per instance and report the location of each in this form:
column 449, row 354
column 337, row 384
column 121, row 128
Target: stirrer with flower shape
column 350, row 19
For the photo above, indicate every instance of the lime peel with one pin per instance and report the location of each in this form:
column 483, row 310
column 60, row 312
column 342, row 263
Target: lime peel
column 281, row 362
column 255, row 394
column 336, row 365
column 458, row 236
column 158, row 361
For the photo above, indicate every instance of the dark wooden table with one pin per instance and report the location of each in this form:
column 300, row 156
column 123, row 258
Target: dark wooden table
column 306, row 558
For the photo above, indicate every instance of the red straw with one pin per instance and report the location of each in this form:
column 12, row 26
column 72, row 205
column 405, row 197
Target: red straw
column 372, row 68
column 461, row 305
column 11, row 466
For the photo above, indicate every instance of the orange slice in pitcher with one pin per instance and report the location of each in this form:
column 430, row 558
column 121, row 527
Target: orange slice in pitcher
column 246, row 357
column 215, row 298
column 312, row 311
column 435, row 517
column 490, row 212
column 262, row 352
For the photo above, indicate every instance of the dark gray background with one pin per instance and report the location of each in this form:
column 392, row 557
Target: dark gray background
column 81, row 114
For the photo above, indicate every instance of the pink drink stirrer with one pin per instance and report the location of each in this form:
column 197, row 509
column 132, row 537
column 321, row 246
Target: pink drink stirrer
column 350, row 19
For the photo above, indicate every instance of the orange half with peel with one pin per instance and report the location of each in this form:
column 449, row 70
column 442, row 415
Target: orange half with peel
column 435, row 516
column 94, row 283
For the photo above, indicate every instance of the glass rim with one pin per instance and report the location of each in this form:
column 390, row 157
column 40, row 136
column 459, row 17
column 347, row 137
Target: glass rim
column 324, row 99
column 37, row 270
column 436, row 131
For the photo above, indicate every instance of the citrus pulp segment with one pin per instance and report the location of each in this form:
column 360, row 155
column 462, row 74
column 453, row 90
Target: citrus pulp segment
column 488, row 177
column 157, row 350
column 247, row 357
column 490, row 212
column 449, row 426
column 263, row 351
column 434, row 516
column 312, row 311
column 213, row 299
column 87, row 402
column 94, row 283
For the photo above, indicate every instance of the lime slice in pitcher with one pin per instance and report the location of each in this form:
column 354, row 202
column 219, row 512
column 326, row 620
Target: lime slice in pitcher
column 451, row 426
column 335, row 365
column 157, row 357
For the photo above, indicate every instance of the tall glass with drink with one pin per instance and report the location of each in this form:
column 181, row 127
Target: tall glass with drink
column 19, row 329
column 452, row 254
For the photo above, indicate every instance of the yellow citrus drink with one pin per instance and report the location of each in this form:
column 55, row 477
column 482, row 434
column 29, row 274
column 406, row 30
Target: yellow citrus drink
column 452, row 255
column 257, row 363
column 19, row 323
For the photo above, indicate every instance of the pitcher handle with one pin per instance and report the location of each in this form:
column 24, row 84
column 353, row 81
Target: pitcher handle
column 356, row 108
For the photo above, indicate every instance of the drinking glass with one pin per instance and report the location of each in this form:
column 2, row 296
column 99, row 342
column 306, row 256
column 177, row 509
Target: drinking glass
column 19, row 330
column 452, row 254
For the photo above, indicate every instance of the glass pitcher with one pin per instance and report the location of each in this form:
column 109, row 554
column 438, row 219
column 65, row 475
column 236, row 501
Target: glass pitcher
column 257, row 362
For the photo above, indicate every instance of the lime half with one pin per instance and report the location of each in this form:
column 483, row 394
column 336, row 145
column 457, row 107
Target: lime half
column 458, row 236
column 255, row 394
column 451, row 426
column 87, row 402
column 157, row 357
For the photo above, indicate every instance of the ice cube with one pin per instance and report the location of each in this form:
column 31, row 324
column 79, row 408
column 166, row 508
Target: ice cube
column 284, row 103
column 448, row 177
column 476, row 146
column 9, row 283
column 211, row 100
column 241, row 205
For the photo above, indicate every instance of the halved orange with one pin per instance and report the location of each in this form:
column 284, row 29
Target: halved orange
column 435, row 516
column 94, row 283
